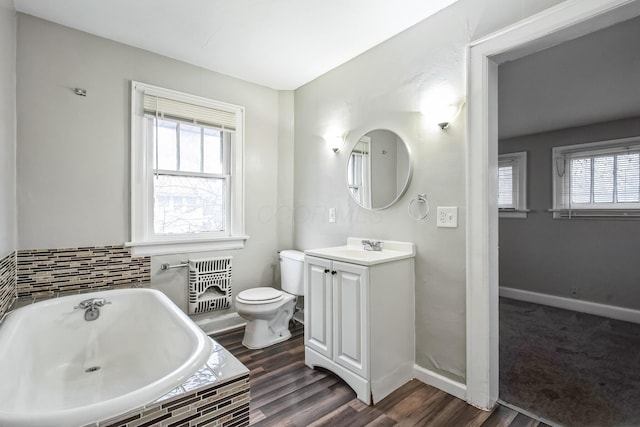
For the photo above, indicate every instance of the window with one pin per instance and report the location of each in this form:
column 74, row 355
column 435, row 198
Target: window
column 512, row 185
column 187, row 173
column 597, row 179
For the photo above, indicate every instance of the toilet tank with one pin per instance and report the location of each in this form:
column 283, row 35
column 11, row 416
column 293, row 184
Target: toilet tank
column 292, row 272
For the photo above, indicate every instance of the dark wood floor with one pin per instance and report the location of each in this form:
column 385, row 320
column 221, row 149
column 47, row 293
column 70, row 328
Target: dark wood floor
column 284, row 392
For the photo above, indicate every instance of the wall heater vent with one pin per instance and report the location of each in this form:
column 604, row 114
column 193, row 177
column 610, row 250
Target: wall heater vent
column 209, row 284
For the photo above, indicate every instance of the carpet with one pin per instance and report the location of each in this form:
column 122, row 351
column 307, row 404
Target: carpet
column 571, row 368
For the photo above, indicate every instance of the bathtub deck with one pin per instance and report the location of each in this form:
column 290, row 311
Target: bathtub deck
column 285, row 392
column 217, row 395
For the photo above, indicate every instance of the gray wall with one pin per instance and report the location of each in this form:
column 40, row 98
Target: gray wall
column 592, row 79
column 7, row 128
column 540, row 254
column 383, row 88
column 73, row 152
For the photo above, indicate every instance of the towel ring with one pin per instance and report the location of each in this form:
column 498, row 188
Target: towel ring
column 418, row 208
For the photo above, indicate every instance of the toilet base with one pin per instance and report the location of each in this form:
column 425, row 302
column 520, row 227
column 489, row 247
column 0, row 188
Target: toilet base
column 260, row 333
column 255, row 344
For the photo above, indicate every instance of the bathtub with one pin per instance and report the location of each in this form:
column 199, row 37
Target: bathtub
column 57, row 369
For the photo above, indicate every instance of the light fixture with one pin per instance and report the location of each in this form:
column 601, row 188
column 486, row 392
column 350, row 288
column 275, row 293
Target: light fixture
column 446, row 115
column 441, row 105
column 334, row 141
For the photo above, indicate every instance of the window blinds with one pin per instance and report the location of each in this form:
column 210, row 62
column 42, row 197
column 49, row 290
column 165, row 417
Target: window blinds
column 505, row 186
column 156, row 105
column 597, row 176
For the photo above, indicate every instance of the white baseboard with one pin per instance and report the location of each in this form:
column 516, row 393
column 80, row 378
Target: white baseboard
column 604, row 310
column 445, row 384
column 218, row 324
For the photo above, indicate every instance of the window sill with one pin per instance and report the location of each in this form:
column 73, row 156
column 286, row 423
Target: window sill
column 184, row 246
column 513, row 213
column 595, row 213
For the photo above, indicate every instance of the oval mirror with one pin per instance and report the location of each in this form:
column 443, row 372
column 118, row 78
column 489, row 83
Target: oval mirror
column 379, row 169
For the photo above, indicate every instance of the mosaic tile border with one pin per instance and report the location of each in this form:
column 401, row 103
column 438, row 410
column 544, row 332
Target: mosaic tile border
column 45, row 272
column 7, row 282
column 217, row 395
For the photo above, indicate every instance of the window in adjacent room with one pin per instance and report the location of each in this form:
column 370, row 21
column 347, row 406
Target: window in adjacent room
column 597, row 179
column 187, row 172
column 512, row 185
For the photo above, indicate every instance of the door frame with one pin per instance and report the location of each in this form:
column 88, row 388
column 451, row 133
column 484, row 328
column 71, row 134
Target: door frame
column 566, row 21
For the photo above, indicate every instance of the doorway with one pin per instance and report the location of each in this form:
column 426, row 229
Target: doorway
column 566, row 21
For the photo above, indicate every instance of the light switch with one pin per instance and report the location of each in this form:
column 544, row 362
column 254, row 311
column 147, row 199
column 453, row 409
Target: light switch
column 447, row 217
column 332, row 214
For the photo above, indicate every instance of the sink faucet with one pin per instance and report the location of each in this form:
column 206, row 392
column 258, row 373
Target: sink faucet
column 372, row 245
column 91, row 307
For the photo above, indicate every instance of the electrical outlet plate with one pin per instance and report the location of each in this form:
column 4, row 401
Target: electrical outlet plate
column 332, row 215
column 447, row 217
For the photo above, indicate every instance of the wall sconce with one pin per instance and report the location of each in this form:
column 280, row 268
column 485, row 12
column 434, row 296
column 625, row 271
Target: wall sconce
column 446, row 115
column 334, row 142
column 441, row 105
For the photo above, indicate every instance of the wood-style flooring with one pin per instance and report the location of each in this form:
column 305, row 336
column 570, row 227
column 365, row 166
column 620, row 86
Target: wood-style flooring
column 285, row 392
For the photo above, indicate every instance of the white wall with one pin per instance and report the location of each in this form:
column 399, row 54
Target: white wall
column 73, row 152
column 7, row 128
column 383, row 88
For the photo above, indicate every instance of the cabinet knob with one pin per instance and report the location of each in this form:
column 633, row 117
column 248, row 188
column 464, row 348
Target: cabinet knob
column 326, row 270
column 334, row 272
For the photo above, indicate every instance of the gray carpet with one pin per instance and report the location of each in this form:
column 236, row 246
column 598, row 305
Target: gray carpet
column 571, row 368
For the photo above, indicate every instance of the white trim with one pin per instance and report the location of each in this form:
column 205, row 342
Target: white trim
column 604, row 310
column 441, row 382
column 143, row 240
column 519, row 183
column 216, row 325
column 545, row 29
column 184, row 246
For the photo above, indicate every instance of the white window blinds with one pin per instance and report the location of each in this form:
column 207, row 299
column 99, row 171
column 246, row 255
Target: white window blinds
column 598, row 176
column 171, row 108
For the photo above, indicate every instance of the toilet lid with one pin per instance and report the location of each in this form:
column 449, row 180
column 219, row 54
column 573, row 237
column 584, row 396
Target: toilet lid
column 260, row 295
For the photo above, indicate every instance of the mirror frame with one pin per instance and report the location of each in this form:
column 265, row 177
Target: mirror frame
column 409, row 173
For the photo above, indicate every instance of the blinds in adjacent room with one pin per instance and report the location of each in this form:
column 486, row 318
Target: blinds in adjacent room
column 163, row 107
column 506, row 176
column 598, row 176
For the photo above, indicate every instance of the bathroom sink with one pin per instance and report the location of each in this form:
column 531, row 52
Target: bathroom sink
column 354, row 252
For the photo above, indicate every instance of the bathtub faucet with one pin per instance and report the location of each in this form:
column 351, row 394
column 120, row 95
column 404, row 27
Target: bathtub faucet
column 91, row 307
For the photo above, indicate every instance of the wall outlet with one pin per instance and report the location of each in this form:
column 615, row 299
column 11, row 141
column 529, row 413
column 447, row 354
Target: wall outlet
column 332, row 214
column 447, row 217
column 575, row 292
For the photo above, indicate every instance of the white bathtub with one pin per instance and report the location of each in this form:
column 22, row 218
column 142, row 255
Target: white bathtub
column 143, row 345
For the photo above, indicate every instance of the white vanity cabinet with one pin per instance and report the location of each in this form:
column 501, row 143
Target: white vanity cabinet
column 359, row 322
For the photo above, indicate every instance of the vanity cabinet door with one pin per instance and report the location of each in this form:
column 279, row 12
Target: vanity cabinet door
column 351, row 317
column 318, row 301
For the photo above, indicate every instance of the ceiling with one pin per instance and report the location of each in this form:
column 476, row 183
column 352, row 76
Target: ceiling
column 281, row 44
column 591, row 79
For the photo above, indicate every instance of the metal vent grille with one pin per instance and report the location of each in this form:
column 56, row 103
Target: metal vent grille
column 209, row 284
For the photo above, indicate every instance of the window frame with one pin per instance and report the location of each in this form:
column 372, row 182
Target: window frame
column 143, row 239
column 560, row 155
column 519, row 209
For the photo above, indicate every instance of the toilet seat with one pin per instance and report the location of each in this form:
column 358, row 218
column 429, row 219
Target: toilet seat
column 262, row 295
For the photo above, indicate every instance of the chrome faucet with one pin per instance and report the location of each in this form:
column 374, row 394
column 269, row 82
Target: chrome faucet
column 91, row 307
column 372, row 245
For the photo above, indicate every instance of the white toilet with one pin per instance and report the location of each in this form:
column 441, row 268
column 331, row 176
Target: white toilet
column 268, row 310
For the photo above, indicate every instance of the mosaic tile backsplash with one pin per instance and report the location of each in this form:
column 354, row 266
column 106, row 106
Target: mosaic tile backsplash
column 7, row 282
column 45, row 272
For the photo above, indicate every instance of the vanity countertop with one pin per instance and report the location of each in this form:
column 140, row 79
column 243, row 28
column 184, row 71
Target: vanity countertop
column 354, row 252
